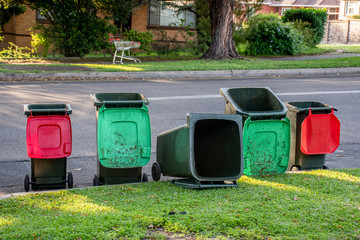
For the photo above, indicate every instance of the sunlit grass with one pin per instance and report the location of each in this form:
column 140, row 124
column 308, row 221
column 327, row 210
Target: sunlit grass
column 4, row 221
column 114, row 67
column 271, row 184
column 336, row 175
column 353, row 48
column 319, row 204
column 213, row 65
column 206, row 65
column 59, row 201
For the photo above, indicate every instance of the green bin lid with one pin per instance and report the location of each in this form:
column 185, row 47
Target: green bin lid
column 266, row 146
column 123, row 137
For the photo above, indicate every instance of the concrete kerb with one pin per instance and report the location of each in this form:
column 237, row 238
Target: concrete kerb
column 181, row 74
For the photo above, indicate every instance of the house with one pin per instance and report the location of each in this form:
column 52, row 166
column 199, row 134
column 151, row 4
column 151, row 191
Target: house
column 332, row 6
column 162, row 21
column 337, row 9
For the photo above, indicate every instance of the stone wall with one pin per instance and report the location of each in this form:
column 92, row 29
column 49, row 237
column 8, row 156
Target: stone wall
column 342, row 32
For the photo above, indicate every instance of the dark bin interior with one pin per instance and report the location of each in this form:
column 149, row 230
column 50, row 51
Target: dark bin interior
column 114, row 100
column 217, row 148
column 255, row 99
column 304, row 106
column 47, row 109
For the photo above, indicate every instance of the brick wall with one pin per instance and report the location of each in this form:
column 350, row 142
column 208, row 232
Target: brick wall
column 342, row 31
column 266, row 9
column 139, row 19
column 17, row 30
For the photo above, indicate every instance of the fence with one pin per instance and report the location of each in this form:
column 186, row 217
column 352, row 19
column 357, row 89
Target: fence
column 342, row 32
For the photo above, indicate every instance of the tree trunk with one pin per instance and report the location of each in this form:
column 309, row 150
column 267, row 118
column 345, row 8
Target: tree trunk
column 222, row 42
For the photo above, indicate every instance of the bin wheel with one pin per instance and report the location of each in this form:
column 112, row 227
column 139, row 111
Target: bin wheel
column 325, row 167
column 27, row 183
column 70, row 180
column 156, row 171
column 295, row 168
column 145, row 177
column 96, row 180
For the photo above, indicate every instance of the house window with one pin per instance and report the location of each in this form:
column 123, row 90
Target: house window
column 41, row 18
column 351, row 8
column 161, row 14
column 333, row 10
column 283, row 10
column 333, row 17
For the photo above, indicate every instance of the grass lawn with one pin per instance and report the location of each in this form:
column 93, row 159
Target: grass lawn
column 193, row 63
column 204, row 65
column 322, row 204
column 340, row 48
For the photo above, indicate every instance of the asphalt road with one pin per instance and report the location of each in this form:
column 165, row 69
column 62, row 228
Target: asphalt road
column 170, row 101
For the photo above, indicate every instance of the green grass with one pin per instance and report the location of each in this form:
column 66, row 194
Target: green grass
column 204, row 65
column 322, row 204
column 340, row 48
column 319, row 49
column 193, row 63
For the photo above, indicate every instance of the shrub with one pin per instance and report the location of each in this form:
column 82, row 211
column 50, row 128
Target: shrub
column 306, row 31
column 268, row 35
column 40, row 44
column 315, row 17
column 145, row 38
column 356, row 17
column 239, row 36
column 15, row 51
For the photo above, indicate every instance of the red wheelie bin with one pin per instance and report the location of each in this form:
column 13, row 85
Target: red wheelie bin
column 315, row 132
column 49, row 143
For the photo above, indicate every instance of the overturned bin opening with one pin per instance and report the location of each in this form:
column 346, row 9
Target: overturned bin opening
column 205, row 153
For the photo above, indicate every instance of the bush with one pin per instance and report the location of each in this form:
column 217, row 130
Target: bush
column 306, row 31
column 356, row 17
column 15, row 51
column 239, row 36
column 315, row 17
column 268, row 35
column 145, row 38
column 40, row 44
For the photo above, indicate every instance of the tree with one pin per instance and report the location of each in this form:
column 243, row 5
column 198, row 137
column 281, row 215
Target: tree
column 7, row 11
column 222, row 43
column 75, row 27
column 121, row 10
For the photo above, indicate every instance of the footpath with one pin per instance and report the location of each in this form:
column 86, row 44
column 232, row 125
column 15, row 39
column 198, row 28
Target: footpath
column 87, row 73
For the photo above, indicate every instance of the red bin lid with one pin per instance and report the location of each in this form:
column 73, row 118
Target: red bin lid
column 320, row 133
column 48, row 136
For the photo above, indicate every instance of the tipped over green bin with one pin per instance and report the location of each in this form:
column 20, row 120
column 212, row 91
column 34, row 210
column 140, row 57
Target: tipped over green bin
column 266, row 129
column 123, row 137
column 204, row 153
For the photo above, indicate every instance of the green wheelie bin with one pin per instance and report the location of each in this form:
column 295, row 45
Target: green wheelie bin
column 266, row 129
column 123, row 137
column 323, row 134
column 48, row 143
column 204, row 153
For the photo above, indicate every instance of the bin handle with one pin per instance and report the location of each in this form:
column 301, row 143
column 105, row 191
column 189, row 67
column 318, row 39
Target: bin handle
column 47, row 110
column 124, row 102
column 332, row 111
